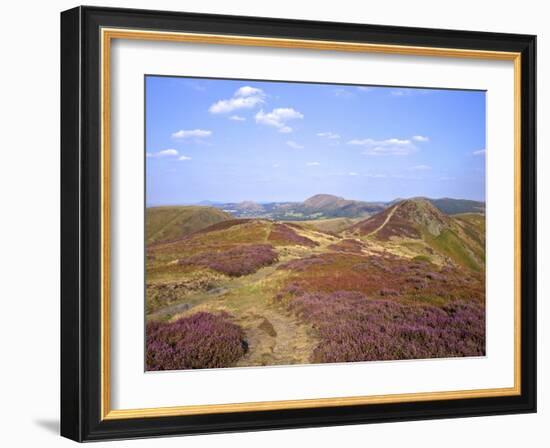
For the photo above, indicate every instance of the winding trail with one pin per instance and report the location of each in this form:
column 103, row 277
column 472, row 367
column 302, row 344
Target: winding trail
column 276, row 338
column 274, row 335
column 381, row 226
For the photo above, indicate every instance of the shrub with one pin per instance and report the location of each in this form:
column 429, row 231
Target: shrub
column 301, row 264
column 434, row 276
column 354, row 328
column 347, row 246
column 384, row 292
column 237, row 261
column 200, row 341
column 163, row 294
column 223, row 225
column 282, row 234
column 338, row 271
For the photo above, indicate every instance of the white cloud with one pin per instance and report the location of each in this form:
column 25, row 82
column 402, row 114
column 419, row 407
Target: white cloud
column 329, row 135
column 313, row 164
column 248, row 91
column 479, row 152
column 183, row 158
column 237, row 118
column 420, row 138
column 193, row 133
column 278, row 118
column 420, row 168
column 294, row 145
column 245, row 97
column 353, row 173
column 226, row 106
column 408, row 92
column 391, row 146
column 447, row 178
column 342, row 93
column 148, row 154
column 166, row 153
column 364, row 89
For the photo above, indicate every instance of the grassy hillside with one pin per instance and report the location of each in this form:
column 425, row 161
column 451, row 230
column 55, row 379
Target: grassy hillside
column 406, row 283
column 476, row 220
column 334, row 225
column 473, row 225
column 416, row 225
column 171, row 223
column 455, row 206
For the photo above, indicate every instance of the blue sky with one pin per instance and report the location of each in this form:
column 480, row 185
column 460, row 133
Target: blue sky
column 235, row 140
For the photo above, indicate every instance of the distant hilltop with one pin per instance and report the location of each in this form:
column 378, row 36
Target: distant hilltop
column 414, row 227
column 324, row 206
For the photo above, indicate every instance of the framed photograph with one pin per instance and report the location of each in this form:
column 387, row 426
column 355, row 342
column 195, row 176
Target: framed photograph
column 274, row 223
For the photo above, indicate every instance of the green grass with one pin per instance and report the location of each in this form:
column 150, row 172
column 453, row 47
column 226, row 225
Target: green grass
column 458, row 206
column 254, row 232
column 451, row 245
column 473, row 225
column 171, row 223
column 422, row 258
column 335, row 225
column 429, row 299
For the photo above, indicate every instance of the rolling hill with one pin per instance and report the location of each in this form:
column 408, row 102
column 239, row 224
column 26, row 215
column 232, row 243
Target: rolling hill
column 320, row 206
column 449, row 206
column 171, row 223
column 456, row 206
column 327, row 206
column 330, row 225
column 337, row 207
column 280, row 283
column 461, row 239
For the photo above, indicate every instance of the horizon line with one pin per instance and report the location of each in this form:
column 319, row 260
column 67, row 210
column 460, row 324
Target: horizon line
column 201, row 202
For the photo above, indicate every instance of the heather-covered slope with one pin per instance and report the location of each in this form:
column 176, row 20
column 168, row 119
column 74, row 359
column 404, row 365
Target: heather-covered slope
column 408, row 218
column 461, row 238
column 406, row 283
